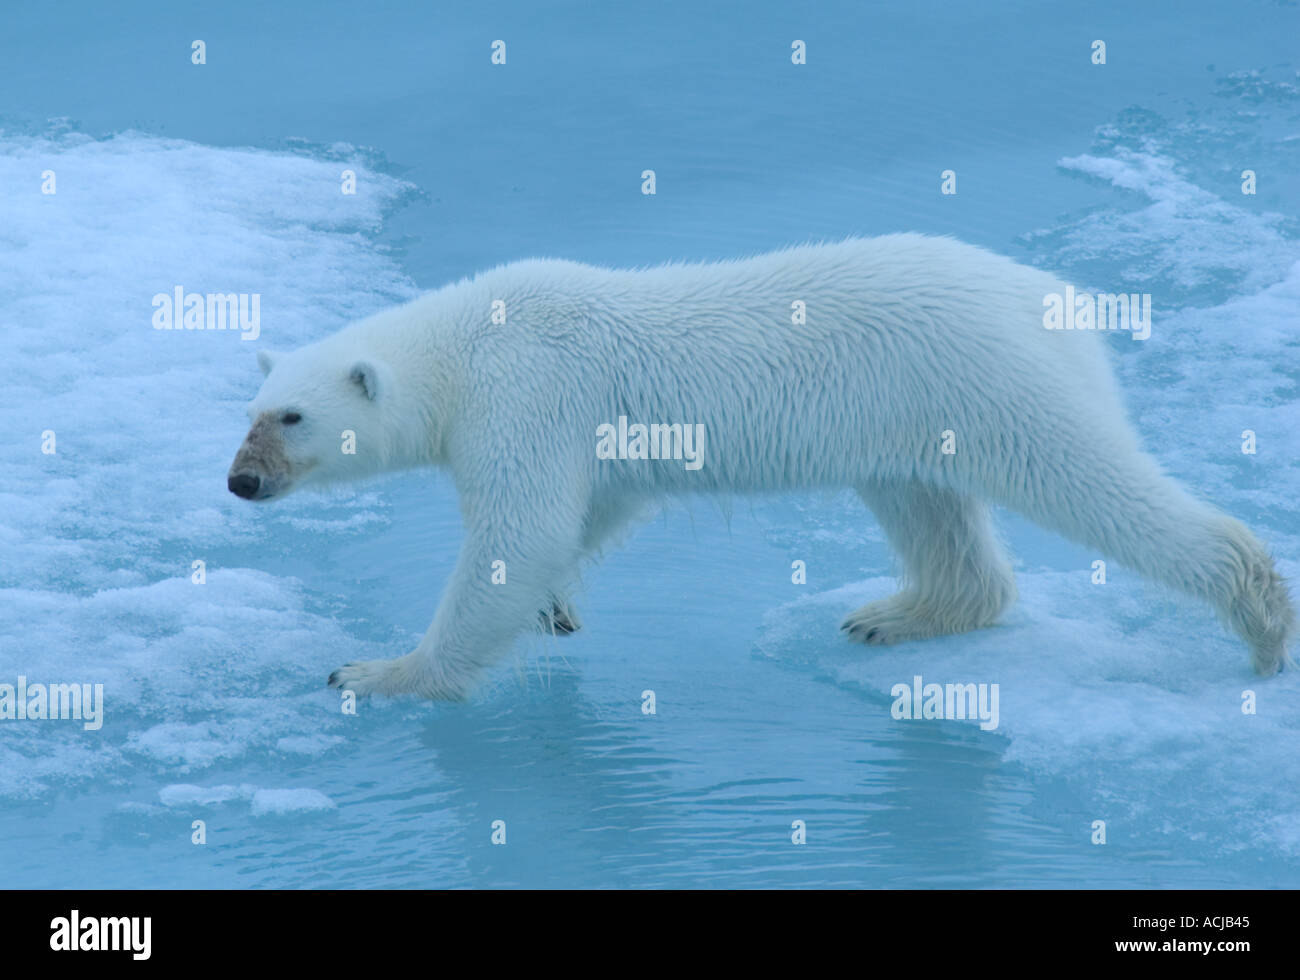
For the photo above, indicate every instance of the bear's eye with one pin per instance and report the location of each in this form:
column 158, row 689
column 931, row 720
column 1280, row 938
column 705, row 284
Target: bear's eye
column 290, row 418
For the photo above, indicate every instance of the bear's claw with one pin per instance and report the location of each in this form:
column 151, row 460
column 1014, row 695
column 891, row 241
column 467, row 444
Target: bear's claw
column 560, row 620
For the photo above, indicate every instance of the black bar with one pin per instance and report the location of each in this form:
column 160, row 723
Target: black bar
column 647, row 930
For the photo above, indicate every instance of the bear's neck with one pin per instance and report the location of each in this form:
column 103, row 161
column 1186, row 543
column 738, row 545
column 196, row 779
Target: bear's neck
column 425, row 389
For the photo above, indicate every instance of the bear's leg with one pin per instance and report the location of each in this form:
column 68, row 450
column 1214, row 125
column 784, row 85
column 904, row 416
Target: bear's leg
column 955, row 575
column 1106, row 493
column 561, row 619
column 520, row 547
column 607, row 517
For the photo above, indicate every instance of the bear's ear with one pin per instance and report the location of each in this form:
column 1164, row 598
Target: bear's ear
column 366, row 375
column 266, row 360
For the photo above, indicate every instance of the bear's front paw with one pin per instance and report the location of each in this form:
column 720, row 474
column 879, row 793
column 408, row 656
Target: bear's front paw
column 561, row 620
column 888, row 621
column 390, row 678
column 367, row 677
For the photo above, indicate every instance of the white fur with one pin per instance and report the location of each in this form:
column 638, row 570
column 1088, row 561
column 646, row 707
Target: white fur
column 906, row 336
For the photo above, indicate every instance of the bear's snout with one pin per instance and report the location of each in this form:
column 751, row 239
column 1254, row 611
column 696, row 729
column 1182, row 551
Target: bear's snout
column 243, row 485
column 261, row 469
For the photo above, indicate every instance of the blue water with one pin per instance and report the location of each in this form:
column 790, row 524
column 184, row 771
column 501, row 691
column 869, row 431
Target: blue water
column 1119, row 704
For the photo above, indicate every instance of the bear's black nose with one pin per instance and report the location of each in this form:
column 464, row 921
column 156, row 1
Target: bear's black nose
column 243, row 485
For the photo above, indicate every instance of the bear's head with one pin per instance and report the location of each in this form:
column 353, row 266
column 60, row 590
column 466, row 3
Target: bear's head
column 321, row 416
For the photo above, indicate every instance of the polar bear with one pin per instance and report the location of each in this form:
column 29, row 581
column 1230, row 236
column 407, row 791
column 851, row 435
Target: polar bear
column 566, row 399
